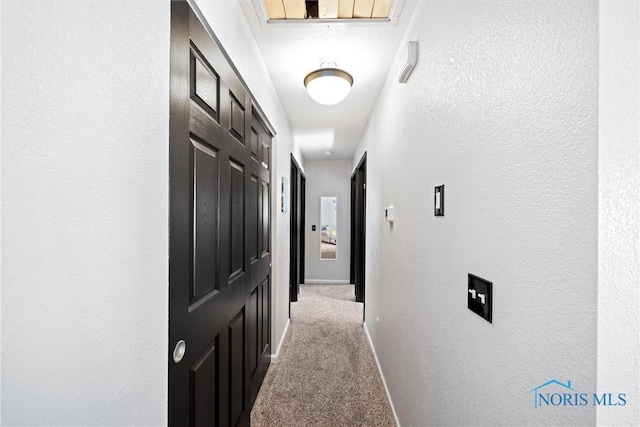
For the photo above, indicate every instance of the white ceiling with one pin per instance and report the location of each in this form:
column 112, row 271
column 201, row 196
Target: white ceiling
column 292, row 50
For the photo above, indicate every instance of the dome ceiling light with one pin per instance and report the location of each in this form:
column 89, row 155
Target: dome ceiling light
column 328, row 85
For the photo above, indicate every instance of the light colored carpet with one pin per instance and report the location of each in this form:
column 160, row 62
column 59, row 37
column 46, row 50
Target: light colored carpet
column 326, row 374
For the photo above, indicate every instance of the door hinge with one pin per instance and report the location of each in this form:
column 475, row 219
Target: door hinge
column 364, row 186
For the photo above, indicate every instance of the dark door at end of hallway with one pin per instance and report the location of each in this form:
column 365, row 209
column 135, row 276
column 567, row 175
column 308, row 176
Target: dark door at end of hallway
column 358, row 227
column 219, row 230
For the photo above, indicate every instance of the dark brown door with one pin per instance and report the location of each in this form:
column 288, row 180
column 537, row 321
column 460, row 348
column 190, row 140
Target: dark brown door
column 293, row 235
column 219, row 260
column 303, row 230
column 359, row 221
column 259, row 208
column 352, row 234
column 297, row 238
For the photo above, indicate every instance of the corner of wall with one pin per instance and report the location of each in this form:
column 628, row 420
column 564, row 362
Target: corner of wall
column 619, row 211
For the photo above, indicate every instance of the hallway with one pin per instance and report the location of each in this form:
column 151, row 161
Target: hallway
column 326, row 374
column 139, row 159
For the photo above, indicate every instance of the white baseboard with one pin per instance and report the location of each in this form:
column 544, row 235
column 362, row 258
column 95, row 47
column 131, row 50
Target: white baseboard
column 384, row 382
column 323, row 281
column 274, row 356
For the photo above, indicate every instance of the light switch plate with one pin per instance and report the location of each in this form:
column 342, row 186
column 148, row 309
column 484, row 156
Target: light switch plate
column 438, row 201
column 480, row 297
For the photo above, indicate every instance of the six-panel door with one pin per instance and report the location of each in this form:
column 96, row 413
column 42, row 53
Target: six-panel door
column 219, row 260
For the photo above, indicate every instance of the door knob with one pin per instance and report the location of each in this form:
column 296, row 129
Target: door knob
column 179, row 351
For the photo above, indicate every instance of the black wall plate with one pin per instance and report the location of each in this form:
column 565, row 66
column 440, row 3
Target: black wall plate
column 438, row 201
column 480, row 297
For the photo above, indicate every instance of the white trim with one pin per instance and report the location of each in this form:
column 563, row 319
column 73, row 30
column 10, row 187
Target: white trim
column 384, row 382
column 323, row 281
column 274, row 356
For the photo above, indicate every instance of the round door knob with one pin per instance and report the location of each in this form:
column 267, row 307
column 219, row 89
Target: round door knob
column 179, row 351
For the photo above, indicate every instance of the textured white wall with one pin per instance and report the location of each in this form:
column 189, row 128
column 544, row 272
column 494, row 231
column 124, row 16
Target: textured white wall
column 619, row 195
column 1, row 173
column 502, row 109
column 85, row 124
column 327, row 178
column 230, row 26
column 1, row 275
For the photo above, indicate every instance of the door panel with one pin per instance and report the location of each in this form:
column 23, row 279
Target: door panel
column 204, row 83
column 237, row 118
column 265, row 155
column 253, row 317
column 254, row 227
column 237, row 224
column 217, row 257
column 236, row 368
column 206, row 193
column 203, row 378
column 255, row 153
column 266, row 230
column 266, row 314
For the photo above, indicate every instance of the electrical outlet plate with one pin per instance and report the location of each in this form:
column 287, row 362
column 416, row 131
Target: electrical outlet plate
column 480, row 297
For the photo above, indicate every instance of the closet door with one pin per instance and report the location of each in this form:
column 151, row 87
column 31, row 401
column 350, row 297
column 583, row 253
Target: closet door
column 219, row 250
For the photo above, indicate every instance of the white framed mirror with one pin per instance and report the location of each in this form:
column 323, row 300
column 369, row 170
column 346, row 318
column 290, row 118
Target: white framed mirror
column 328, row 228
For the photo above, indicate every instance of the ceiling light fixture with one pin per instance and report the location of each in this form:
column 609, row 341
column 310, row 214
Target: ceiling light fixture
column 328, row 85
